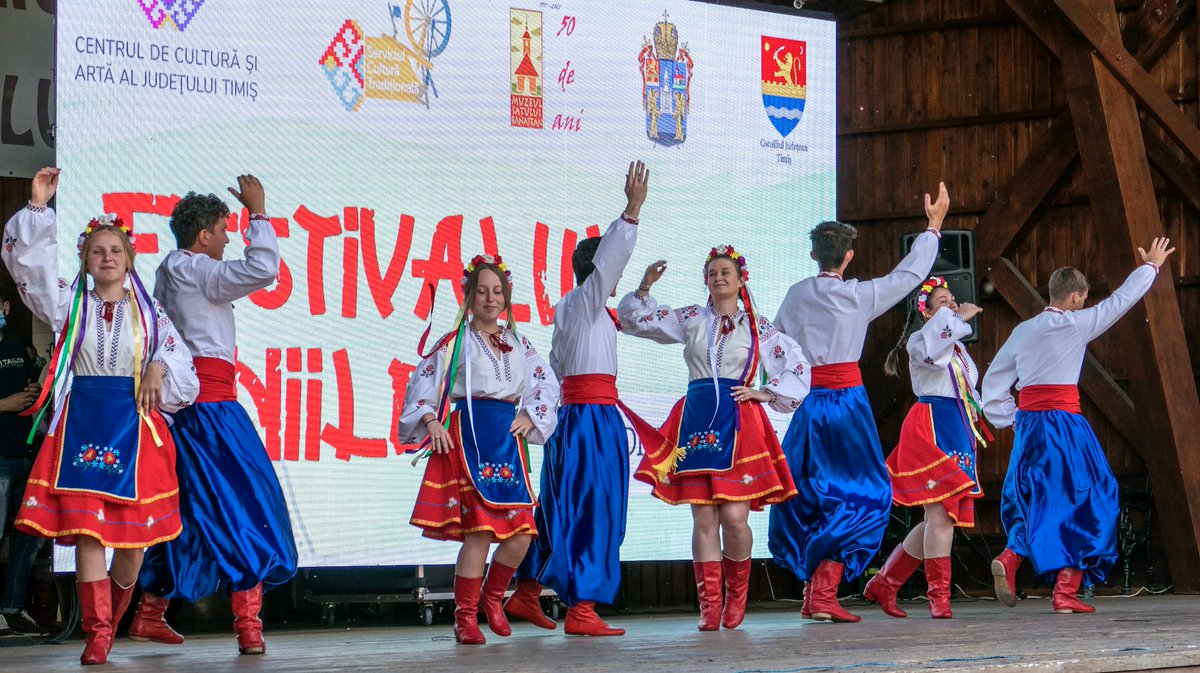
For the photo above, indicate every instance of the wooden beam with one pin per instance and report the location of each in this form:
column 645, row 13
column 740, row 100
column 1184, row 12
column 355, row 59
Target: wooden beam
column 1179, row 175
column 1152, row 31
column 1037, row 176
column 1094, row 380
column 1045, row 166
column 951, row 122
column 1034, row 15
column 1130, row 74
column 1103, row 101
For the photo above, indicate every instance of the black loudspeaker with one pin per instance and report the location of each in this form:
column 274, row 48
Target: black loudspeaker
column 956, row 263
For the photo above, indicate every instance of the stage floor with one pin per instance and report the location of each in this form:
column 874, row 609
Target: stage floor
column 1128, row 634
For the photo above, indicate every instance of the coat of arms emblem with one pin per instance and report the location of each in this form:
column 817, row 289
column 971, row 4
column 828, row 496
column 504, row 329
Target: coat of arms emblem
column 784, row 82
column 666, row 84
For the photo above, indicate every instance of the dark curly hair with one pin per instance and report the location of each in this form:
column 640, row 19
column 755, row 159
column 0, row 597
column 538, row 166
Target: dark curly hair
column 193, row 214
column 830, row 243
column 581, row 259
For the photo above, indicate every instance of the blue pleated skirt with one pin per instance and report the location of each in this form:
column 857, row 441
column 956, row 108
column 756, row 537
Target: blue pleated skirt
column 583, row 504
column 845, row 494
column 236, row 528
column 1059, row 505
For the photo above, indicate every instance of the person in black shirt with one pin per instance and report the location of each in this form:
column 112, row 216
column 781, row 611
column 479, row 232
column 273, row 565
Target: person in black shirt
column 17, row 392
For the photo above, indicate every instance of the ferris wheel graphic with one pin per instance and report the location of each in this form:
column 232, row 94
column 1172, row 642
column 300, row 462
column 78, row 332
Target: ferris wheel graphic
column 427, row 25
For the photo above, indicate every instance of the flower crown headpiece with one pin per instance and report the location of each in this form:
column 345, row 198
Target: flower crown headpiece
column 106, row 220
column 479, row 260
column 927, row 288
column 727, row 251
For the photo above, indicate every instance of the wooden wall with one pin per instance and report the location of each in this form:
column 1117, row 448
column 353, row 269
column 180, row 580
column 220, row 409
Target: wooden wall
column 961, row 91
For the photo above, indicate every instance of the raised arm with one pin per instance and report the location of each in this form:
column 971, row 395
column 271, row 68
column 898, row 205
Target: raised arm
column 878, row 295
column 30, row 252
column 1092, row 322
column 617, row 243
column 642, row 316
column 226, row 281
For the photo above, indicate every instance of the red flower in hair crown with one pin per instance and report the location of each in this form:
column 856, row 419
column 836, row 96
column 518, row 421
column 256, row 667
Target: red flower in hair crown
column 727, row 251
column 479, row 260
column 107, row 220
column 927, row 288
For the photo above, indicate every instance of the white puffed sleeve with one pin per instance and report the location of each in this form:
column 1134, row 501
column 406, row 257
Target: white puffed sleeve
column 421, row 396
column 996, row 390
column 644, row 317
column 31, row 254
column 789, row 374
column 1092, row 322
column 540, row 396
column 933, row 344
column 180, row 385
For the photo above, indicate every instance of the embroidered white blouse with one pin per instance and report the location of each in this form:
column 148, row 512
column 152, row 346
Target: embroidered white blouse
column 1048, row 349
column 933, row 348
column 520, row 375
column 31, row 254
column 788, row 372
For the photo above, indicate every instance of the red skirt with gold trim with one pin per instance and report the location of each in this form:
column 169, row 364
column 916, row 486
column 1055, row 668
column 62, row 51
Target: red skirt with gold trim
column 449, row 507
column 935, row 460
column 66, row 514
column 759, row 474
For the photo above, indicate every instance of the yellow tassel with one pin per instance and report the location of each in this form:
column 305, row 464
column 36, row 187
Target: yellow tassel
column 668, row 466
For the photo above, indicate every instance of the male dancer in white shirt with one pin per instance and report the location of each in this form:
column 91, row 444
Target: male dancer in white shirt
column 585, row 473
column 236, row 528
column 834, row 527
column 1059, row 504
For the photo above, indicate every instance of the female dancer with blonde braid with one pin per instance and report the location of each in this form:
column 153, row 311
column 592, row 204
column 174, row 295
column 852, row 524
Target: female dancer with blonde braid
column 105, row 476
column 477, row 488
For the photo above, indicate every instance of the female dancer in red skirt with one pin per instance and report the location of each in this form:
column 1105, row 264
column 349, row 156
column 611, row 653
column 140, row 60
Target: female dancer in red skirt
column 105, row 476
column 720, row 454
column 933, row 466
column 477, row 488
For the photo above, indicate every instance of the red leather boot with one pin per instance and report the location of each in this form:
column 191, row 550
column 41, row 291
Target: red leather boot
column 708, row 591
column 526, row 603
column 806, row 606
column 825, row 582
column 246, row 624
column 466, row 610
column 95, row 602
column 937, row 573
column 886, row 583
column 1065, row 587
column 150, row 622
column 582, row 620
column 492, row 598
column 737, row 587
column 120, row 601
column 1004, row 576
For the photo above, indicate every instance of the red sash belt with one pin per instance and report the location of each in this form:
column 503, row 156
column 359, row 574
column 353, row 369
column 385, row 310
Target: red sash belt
column 589, row 389
column 602, row 389
column 216, row 380
column 1049, row 398
column 837, row 376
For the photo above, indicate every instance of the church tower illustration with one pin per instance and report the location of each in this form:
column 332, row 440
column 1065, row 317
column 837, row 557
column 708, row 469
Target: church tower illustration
column 528, row 79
